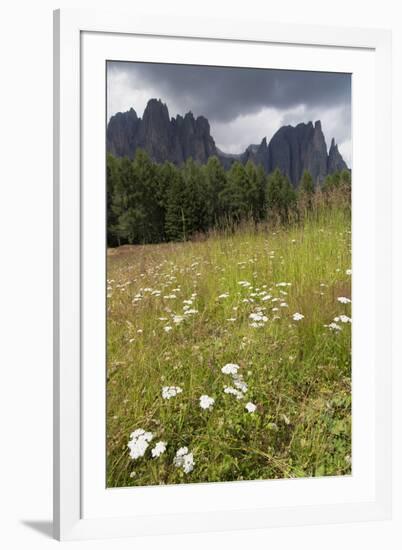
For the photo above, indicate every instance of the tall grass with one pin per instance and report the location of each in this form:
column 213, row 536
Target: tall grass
column 298, row 373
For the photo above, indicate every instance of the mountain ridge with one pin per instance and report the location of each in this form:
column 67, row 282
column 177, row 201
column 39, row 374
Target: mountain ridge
column 292, row 149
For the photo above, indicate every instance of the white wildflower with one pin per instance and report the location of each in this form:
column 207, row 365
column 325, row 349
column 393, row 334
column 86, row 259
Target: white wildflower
column 258, row 319
column 177, row 319
column 191, row 312
column 184, row 459
column 344, row 300
column 258, row 316
column 345, row 319
column 333, row 326
column 139, row 442
column 348, row 272
column 232, row 391
column 297, row 316
column 159, row 449
column 251, row 407
column 230, row 368
column 170, row 391
column 206, row 402
column 240, row 383
column 167, row 328
column 224, row 295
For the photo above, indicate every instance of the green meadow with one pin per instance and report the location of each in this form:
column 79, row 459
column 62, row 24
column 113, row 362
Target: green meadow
column 273, row 303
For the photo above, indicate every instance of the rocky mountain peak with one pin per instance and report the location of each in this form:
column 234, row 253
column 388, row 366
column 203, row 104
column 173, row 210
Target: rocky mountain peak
column 156, row 112
column 335, row 161
column 292, row 149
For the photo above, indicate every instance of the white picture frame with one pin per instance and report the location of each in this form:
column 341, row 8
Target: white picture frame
column 83, row 507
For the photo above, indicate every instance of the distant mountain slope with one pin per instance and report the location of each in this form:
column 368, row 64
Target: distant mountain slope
column 291, row 149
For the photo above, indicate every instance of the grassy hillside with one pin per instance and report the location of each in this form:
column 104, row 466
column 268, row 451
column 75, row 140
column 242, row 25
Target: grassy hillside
column 179, row 312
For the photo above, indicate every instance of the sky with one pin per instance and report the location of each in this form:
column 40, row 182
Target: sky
column 243, row 105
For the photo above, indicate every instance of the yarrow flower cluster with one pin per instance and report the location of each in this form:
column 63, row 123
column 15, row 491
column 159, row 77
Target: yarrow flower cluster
column 258, row 318
column 170, row 391
column 190, row 311
column 184, row 460
column 344, row 300
column 343, row 319
column 239, row 383
column 333, row 326
column 297, row 316
column 232, row 391
column 240, row 386
column 139, row 442
column 177, row 319
column 159, row 449
column 206, row 402
column 230, row 368
column 250, row 407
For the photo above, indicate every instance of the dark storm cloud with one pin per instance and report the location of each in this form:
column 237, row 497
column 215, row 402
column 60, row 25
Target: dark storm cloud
column 242, row 105
column 222, row 94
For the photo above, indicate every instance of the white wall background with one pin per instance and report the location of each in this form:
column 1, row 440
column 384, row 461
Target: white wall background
column 26, row 271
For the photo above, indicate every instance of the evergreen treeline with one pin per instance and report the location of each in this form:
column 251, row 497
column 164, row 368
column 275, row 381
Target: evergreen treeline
column 151, row 203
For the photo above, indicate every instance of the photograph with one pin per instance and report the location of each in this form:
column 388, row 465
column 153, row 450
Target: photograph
column 228, row 288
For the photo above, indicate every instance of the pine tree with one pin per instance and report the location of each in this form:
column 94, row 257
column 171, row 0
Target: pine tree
column 281, row 196
column 261, row 211
column 306, row 191
column 122, row 200
column 112, row 183
column 175, row 220
column 150, row 209
column 234, row 195
column 216, row 181
column 196, row 197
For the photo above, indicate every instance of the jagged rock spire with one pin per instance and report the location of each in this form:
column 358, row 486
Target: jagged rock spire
column 292, row 149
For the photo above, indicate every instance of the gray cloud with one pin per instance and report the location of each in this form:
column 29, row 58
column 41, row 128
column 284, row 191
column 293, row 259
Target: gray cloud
column 248, row 103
